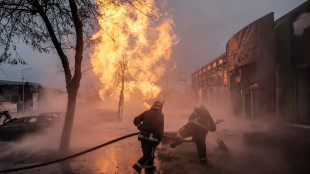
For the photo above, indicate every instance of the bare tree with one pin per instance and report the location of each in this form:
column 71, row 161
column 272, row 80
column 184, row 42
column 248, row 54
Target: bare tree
column 57, row 26
column 50, row 25
column 121, row 77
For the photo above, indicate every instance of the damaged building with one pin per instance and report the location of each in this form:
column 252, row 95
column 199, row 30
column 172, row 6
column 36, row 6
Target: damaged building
column 264, row 71
column 210, row 81
column 292, row 33
column 251, row 58
column 19, row 96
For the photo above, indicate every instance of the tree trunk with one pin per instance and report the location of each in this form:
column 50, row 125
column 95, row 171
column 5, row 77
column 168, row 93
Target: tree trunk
column 121, row 97
column 120, row 106
column 74, row 83
column 67, row 128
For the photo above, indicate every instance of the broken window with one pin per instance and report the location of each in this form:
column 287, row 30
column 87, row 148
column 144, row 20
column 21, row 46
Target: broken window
column 301, row 22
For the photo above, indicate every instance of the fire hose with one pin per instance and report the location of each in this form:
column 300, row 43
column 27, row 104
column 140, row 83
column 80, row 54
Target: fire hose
column 77, row 154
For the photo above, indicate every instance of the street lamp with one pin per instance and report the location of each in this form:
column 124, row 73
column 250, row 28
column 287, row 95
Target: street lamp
column 24, row 88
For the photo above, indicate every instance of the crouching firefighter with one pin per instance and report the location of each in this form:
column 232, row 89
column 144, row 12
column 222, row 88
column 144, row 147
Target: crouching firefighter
column 200, row 122
column 151, row 126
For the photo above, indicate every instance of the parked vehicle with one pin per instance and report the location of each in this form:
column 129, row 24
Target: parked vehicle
column 16, row 128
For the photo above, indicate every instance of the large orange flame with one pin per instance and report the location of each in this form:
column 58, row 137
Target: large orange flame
column 135, row 38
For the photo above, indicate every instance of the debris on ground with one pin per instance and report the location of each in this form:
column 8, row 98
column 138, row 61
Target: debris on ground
column 221, row 145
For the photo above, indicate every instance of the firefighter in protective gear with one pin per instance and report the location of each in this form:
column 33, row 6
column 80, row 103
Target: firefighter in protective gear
column 200, row 122
column 151, row 126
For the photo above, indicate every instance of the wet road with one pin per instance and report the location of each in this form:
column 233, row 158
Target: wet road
column 114, row 158
column 118, row 158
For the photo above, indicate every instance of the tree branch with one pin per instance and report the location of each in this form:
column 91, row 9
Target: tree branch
column 63, row 57
column 79, row 41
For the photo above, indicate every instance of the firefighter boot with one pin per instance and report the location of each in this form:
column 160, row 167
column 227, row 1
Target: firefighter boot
column 203, row 161
column 137, row 168
column 150, row 169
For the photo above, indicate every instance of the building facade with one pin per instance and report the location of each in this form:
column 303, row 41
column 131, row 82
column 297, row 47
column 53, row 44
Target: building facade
column 265, row 70
column 210, row 81
column 19, row 96
column 251, row 59
column 292, row 32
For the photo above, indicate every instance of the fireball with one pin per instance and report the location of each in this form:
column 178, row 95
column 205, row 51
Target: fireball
column 132, row 47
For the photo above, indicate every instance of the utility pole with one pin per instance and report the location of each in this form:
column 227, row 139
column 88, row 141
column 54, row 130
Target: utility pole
column 24, row 88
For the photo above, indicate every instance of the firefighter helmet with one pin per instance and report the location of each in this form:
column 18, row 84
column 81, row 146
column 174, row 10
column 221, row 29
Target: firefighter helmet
column 202, row 107
column 157, row 105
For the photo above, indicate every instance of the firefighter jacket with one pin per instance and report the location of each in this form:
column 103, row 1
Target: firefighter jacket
column 202, row 118
column 150, row 122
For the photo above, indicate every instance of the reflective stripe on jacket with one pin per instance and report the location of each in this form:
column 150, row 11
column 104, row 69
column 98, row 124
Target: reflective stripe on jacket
column 151, row 121
column 149, row 137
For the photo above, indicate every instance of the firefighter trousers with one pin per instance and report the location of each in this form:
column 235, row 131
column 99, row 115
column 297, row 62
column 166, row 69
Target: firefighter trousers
column 198, row 135
column 147, row 160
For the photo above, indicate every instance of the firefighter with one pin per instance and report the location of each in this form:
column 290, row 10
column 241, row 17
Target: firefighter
column 151, row 126
column 200, row 122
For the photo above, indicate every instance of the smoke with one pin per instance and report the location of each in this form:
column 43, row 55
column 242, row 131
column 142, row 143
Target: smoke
column 36, row 147
column 204, row 27
column 254, row 143
column 43, row 144
column 96, row 122
column 239, row 158
column 52, row 100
